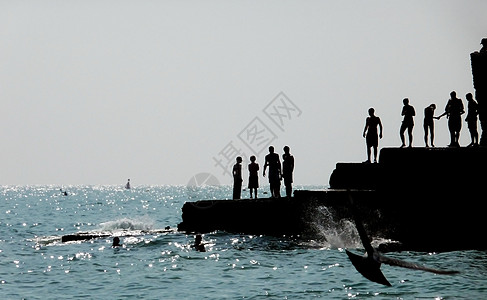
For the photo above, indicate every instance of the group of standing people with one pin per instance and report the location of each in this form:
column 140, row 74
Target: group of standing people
column 453, row 111
column 276, row 173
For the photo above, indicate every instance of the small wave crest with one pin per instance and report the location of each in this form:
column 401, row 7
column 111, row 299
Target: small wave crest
column 127, row 224
column 46, row 240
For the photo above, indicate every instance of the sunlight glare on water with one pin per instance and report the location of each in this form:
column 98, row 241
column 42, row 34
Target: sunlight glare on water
column 154, row 263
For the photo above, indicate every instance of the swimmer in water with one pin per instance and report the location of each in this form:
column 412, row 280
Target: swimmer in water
column 198, row 246
column 116, row 242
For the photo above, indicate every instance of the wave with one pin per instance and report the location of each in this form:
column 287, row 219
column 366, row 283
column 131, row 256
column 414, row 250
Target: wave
column 121, row 227
column 145, row 224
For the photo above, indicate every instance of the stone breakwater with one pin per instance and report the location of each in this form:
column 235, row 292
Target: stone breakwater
column 428, row 199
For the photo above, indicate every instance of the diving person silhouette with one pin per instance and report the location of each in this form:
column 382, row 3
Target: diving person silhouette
column 369, row 264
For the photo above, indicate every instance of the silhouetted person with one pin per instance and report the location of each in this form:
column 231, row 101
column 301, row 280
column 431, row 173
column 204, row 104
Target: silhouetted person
column 198, row 245
column 287, row 171
column 484, row 46
column 253, row 176
column 429, row 124
column 127, row 185
column 407, row 123
column 116, row 242
column 272, row 161
column 370, row 134
column 471, row 119
column 237, row 178
column 65, row 193
column 453, row 111
column 478, row 61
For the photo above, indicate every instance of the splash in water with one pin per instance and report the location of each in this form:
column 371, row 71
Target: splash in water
column 127, row 224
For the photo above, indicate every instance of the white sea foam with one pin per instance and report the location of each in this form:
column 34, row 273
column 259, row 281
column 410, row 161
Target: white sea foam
column 128, row 224
column 337, row 233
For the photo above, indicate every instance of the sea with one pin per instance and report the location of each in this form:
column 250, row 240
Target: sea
column 156, row 261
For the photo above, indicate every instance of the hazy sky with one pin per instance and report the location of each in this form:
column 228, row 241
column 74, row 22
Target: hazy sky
column 95, row 92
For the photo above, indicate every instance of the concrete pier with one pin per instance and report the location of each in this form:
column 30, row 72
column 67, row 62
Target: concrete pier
column 270, row 216
column 428, row 199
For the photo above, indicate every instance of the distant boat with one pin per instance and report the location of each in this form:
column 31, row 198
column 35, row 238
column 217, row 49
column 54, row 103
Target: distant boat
column 127, row 186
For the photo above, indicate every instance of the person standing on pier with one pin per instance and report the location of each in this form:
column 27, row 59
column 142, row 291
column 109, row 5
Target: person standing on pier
column 237, row 178
column 429, row 125
column 272, row 161
column 483, row 42
column 253, row 176
column 370, row 134
column 287, row 171
column 407, row 123
column 478, row 61
column 453, row 111
column 471, row 119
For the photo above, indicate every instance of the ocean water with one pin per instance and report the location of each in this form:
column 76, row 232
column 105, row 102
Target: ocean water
column 154, row 264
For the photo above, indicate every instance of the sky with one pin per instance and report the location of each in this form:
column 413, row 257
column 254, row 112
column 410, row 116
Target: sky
column 96, row 92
